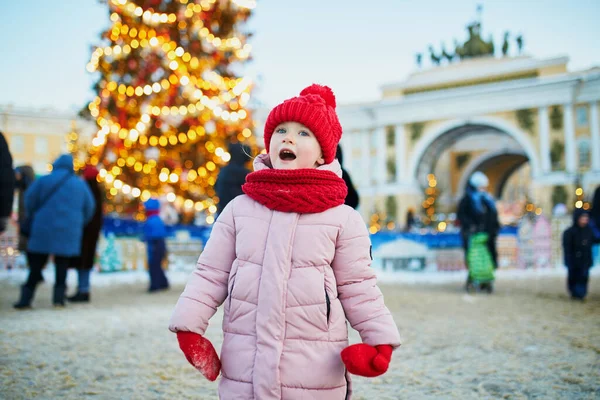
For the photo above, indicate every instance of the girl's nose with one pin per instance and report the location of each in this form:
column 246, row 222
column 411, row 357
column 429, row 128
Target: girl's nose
column 288, row 138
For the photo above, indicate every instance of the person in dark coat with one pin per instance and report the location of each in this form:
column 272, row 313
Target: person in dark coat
column 410, row 220
column 477, row 213
column 595, row 224
column 232, row 176
column 60, row 204
column 352, row 199
column 25, row 176
column 155, row 234
column 577, row 249
column 7, row 184
column 91, row 234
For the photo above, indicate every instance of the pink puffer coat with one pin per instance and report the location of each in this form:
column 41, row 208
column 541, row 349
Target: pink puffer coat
column 289, row 283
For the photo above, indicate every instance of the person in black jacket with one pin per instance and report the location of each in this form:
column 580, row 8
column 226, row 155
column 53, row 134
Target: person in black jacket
column 352, row 196
column 24, row 177
column 232, row 176
column 477, row 213
column 595, row 224
column 91, row 233
column 7, row 183
column 577, row 249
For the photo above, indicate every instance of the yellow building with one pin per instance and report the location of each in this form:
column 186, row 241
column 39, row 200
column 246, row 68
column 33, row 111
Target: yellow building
column 37, row 137
column 517, row 119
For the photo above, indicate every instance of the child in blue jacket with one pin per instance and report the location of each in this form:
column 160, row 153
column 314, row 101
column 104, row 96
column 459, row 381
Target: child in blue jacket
column 155, row 234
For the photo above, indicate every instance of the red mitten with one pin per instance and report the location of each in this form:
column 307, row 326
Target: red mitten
column 200, row 353
column 365, row 360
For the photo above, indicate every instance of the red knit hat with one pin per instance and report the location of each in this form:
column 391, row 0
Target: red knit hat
column 314, row 108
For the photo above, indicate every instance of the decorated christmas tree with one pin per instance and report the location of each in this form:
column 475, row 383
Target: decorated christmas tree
column 169, row 100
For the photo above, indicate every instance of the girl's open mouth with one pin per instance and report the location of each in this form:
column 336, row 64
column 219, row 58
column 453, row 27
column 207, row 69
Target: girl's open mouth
column 287, row 155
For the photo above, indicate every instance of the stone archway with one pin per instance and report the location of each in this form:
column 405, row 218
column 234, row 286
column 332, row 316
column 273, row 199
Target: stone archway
column 500, row 164
column 429, row 147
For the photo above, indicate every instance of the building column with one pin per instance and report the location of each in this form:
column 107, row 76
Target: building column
column 381, row 156
column 544, row 134
column 365, row 155
column 400, row 153
column 570, row 146
column 595, row 134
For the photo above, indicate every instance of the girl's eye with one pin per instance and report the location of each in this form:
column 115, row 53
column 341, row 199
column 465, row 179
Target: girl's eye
column 304, row 133
column 280, row 130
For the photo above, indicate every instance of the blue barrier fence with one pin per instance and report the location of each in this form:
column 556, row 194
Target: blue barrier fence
column 127, row 227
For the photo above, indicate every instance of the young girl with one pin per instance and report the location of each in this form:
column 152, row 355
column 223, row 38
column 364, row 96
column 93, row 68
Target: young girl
column 292, row 264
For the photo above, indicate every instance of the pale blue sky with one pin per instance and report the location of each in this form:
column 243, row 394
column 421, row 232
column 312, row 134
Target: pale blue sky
column 352, row 46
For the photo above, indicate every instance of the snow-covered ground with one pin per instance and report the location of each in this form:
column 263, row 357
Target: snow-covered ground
column 427, row 276
column 526, row 341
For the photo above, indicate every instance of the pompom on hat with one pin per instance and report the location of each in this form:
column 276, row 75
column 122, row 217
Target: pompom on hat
column 90, row 172
column 315, row 109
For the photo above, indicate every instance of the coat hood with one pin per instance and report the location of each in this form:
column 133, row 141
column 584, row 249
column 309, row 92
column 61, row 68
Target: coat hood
column 152, row 205
column 64, row 161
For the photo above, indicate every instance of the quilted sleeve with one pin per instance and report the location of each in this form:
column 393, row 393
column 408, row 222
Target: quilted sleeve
column 206, row 289
column 357, row 286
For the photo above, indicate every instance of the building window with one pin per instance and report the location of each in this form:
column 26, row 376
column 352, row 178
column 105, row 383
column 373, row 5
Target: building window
column 390, row 136
column 373, row 145
column 584, row 153
column 17, row 144
column 582, row 116
column 41, row 145
column 390, row 170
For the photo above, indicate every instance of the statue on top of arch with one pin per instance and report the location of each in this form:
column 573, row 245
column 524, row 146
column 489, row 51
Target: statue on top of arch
column 475, row 46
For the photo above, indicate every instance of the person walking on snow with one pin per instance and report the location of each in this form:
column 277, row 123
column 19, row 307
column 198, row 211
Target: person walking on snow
column 577, row 249
column 477, row 213
column 155, row 234
column 89, row 242
column 595, row 224
column 7, row 184
column 290, row 261
column 60, row 204
column 24, row 177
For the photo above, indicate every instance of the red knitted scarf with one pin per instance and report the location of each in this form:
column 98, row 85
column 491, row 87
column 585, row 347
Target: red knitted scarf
column 298, row 190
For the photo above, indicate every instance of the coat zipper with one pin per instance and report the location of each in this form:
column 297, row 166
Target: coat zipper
column 231, row 291
column 328, row 305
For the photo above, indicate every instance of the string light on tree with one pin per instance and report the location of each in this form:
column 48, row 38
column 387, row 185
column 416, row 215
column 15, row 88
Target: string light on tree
column 168, row 100
column 77, row 150
column 579, row 199
column 580, row 195
column 376, row 221
column 428, row 204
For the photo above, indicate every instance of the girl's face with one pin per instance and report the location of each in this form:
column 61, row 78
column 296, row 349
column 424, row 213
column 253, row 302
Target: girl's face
column 294, row 146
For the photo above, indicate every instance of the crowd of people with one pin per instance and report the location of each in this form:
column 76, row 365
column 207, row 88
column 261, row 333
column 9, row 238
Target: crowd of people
column 293, row 254
column 477, row 218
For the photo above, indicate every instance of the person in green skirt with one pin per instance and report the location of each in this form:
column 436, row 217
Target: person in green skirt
column 479, row 227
